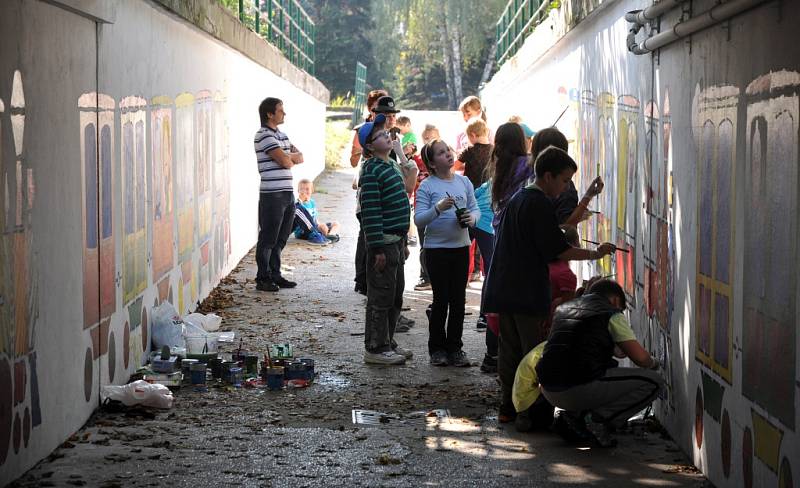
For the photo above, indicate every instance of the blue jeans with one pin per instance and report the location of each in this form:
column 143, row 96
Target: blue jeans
column 275, row 220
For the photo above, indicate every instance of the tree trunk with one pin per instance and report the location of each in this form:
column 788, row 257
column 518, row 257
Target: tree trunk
column 489, row 67
column 447, row 66
column 455, row 41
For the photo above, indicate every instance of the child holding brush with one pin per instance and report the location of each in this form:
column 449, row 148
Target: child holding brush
column 446, row 207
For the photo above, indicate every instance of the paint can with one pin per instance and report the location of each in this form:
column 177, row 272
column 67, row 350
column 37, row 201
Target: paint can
column 216, row 367
column 295, row 370
column 274, row 378
column 309, row 363
column 198, row 373
column 240, row 356
column 235, row 376
column 186, row 365
column 251, row 364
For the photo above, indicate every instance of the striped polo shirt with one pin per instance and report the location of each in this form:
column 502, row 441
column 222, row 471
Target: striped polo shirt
column 274, row 177
column 385, row 212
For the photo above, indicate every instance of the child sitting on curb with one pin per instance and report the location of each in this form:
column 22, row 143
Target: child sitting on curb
column 306, row 226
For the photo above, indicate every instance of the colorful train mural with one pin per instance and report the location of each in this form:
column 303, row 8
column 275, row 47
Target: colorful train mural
column 744, row 375
column 164, row 221
column 20, row 410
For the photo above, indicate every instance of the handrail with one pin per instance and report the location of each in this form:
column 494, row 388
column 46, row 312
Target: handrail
column 508, row 48
column 283, row 23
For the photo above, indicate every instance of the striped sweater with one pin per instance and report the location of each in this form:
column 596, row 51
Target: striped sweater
column 385, row 212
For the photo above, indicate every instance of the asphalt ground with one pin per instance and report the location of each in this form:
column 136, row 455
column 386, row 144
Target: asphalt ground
column 437, row 426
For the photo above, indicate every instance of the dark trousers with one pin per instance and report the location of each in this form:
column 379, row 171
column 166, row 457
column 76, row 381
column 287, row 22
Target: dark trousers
column 384, row 298
column 486, row 246
column 361, row 259
column 447, row 270
column 275, row 221
column 518, row 335
column 423, row 266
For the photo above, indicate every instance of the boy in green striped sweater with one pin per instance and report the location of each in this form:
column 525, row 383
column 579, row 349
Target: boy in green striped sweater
column 385, row 215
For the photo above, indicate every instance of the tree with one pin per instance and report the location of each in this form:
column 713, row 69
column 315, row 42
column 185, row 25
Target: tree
column 343, row 37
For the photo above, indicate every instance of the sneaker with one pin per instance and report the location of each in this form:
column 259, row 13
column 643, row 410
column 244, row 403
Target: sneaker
column 266, row 286
column 601, row 434
column 481, row 324
column 571, row 427
column 506, row 414
column 406, row 353
column 284, row 283
column 458, row 359
column 489, row 364
column 439, row 358
column 387, row 357
column 475, row 276
column 317, row 239
column 403, row 320
column 523, row 422
column 423, row 285
column 333, row 237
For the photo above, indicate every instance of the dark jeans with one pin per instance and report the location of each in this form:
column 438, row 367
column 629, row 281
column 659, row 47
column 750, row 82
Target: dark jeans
column 361, row 259
column 447, row 268
column 303, row 221
column 384, row 298
column 486, row 246
column 518, row 335
column 423, row 266
column 275, row 221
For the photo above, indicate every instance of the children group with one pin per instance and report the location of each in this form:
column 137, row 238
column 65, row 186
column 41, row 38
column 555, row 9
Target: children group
column 503, row 202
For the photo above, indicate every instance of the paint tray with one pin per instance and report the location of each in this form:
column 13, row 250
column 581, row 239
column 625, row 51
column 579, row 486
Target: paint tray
column 170, row 380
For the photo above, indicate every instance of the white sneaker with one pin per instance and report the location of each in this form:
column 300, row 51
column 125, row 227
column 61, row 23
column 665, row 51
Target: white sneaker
column 388, row 357
column 406, row 353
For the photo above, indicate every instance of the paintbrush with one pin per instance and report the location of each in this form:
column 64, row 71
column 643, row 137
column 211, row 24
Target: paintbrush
column 615, row 247
column 562, row 114
column 269, row 359
column 454, row 200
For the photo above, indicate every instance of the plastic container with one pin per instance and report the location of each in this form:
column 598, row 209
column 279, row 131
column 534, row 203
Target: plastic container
column 186, row 365
column 309, row 363
column 251, row 364
column 295, row 370
column 201, row 344
column 275, row 378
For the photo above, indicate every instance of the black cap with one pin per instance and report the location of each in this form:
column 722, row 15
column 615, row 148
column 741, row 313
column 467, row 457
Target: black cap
column 385, row 105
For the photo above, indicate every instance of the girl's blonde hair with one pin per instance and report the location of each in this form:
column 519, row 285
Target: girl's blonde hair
column 430, row 133
column 473, row 103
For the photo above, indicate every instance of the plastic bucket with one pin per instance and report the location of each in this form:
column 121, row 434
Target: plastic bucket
column 201, row 344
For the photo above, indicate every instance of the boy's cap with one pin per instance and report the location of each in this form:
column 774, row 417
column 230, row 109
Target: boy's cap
column 385, row 105
column 366, row 129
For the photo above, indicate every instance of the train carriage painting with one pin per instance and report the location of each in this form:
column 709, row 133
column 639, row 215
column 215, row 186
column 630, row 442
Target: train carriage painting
column 99, row 253
column 185, row 199
column 163, row 257
column 203, row 126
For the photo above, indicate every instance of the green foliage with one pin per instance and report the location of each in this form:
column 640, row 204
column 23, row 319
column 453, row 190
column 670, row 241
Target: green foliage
column 343, row 37
column 343, row 101
column 337, row 136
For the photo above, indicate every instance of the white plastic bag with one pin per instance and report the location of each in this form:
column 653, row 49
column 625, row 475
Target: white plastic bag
column 209, row 323
column 168, row 328
column 140, row 393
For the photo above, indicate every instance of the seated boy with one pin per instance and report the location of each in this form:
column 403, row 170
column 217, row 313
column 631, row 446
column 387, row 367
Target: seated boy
column 578, row 373
column 305, row 218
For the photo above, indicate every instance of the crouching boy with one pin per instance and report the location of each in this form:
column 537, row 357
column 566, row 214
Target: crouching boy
column 578, row 373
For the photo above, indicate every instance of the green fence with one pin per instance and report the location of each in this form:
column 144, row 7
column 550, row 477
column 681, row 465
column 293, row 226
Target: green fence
column 283, row 23
column 360, row 93
column 519, row 19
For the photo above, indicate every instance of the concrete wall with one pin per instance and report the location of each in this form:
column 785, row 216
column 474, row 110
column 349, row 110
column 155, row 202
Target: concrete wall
column 128, row 178
column 698, row 146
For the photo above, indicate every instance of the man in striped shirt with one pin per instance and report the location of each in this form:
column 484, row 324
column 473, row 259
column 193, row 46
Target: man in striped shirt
column 276, row 156
column 385, row 215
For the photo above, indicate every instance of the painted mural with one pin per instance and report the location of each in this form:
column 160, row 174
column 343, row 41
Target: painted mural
column 744, row 388
column 20, row 410
column 172, row 225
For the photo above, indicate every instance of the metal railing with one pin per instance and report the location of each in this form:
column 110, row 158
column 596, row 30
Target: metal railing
column 519, row 19
column 360, row 93
column 284, row 24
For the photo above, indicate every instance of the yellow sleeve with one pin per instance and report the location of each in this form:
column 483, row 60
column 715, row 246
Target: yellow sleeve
column 620, row 328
